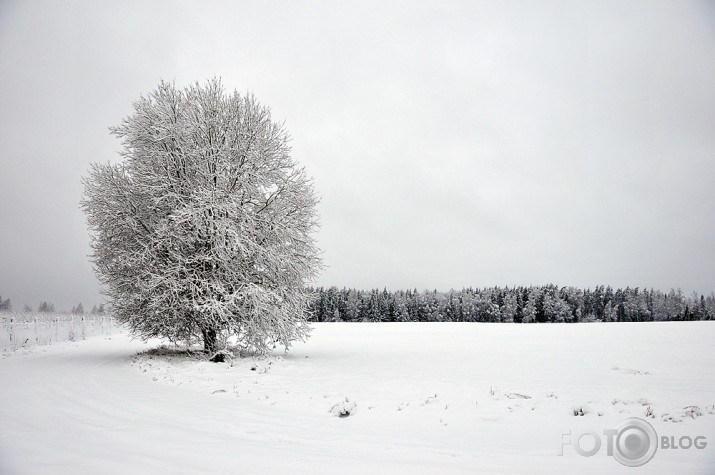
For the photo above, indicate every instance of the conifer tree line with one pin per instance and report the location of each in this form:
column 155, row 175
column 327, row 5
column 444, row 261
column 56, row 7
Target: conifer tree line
column 534, row 304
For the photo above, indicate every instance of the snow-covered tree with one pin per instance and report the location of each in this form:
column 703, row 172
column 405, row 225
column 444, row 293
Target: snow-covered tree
column 352, row 305
column 5, row 305
column 509, row 309
column 205, row 228
column 575, row 298
column 675, row 304
column 336, row 316
column 401, row 312
column 710, row 307
column 556, row 309
column 635, row 306
column 610, row 313
column 529, row 311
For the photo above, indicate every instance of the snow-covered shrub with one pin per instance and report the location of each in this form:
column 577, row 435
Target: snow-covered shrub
column 344, row 408
column 692, row 411
column 580, row 410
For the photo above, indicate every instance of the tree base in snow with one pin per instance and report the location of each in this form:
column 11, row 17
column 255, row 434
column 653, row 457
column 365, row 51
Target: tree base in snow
column 221, row 356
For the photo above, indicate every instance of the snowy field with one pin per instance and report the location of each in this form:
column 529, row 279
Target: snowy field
column 423, row 398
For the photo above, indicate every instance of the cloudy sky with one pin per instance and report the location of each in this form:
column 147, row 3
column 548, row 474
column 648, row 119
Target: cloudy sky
column 453, row 143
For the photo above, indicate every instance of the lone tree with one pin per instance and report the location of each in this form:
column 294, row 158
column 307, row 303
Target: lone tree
column 205, row 228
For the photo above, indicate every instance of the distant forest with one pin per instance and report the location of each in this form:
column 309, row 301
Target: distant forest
column 548, row 303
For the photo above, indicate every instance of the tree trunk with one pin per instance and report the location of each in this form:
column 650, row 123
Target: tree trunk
column 209, row 340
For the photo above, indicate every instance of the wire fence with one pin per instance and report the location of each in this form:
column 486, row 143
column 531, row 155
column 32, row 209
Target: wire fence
column 17, row 331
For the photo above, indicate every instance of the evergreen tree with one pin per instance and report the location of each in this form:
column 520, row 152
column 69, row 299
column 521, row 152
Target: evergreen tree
column 610, row 314
column 46, row 307
column 529, row 311
column 5, row 305
column 509, row 309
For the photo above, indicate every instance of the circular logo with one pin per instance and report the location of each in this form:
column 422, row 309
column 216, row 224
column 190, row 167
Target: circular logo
column 636, row 442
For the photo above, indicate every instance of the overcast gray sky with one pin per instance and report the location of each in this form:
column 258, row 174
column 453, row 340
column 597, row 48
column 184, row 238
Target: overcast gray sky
column 453, row 143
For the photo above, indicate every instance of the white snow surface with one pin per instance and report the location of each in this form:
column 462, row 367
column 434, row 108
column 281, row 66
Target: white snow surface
column 362, row 398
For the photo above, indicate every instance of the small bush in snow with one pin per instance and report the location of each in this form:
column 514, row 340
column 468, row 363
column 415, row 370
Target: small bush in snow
column 692, row 412
column 581, row 410
column 344, row 408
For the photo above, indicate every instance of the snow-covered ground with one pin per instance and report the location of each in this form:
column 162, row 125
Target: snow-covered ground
column 423, row 398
